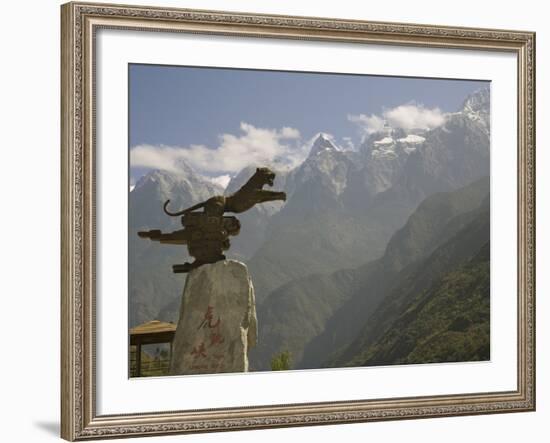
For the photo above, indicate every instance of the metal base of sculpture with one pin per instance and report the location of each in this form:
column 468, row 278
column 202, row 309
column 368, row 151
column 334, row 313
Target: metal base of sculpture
column 206, row 237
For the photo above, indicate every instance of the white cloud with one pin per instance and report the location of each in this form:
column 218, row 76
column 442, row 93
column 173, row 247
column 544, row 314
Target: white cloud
column 221, row 180
column 368, row 123
column 154, row 157
column 287, row 132
column 413, row 116
column 234, row 152
column 408, row 116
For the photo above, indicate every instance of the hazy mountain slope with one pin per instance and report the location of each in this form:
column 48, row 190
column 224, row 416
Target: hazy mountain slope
column 449, row 322
column 297, row 312
column 436, row 220
column 413, row 283
column 322, row 312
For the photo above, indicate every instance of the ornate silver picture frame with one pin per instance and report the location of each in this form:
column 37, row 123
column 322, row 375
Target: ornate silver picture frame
column 81, row 22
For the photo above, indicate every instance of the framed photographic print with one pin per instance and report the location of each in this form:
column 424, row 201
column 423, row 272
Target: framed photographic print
column 279, row 221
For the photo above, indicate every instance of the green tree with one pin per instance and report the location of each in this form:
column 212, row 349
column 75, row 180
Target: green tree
column 281, row 362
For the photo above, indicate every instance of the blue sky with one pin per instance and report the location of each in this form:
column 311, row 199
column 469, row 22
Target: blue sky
column 204, row 111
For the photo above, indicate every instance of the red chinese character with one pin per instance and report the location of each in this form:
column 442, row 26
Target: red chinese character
column 208, row 317
column 199, row 352
column 216, row 338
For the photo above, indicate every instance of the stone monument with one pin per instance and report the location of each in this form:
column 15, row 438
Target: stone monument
column 217, row 324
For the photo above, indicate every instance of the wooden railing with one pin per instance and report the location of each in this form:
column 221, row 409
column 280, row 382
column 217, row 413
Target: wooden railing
column 150, row 368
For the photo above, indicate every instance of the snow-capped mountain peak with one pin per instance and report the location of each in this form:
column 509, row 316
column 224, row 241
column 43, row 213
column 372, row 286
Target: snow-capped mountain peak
column 155, row 176
column 478, row 101
column 477, row 107
column 184, row 175
column 322, row 143
column 326, row 165
column 167, row 182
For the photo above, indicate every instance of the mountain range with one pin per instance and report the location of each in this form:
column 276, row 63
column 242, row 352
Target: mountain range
column 343, row 206
column 319, row 315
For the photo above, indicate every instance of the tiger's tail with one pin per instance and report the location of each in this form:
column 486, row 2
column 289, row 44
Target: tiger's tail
column 184, row 211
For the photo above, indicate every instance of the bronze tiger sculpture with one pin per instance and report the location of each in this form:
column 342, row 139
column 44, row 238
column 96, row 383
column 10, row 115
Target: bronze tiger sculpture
column 206, row 233
column 250, row 194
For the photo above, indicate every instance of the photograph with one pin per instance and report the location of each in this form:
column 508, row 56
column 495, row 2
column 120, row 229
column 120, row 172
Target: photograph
column 289, row 220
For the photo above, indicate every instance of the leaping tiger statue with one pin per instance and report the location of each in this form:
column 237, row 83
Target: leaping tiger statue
column 250, row 194
column 207, row 233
